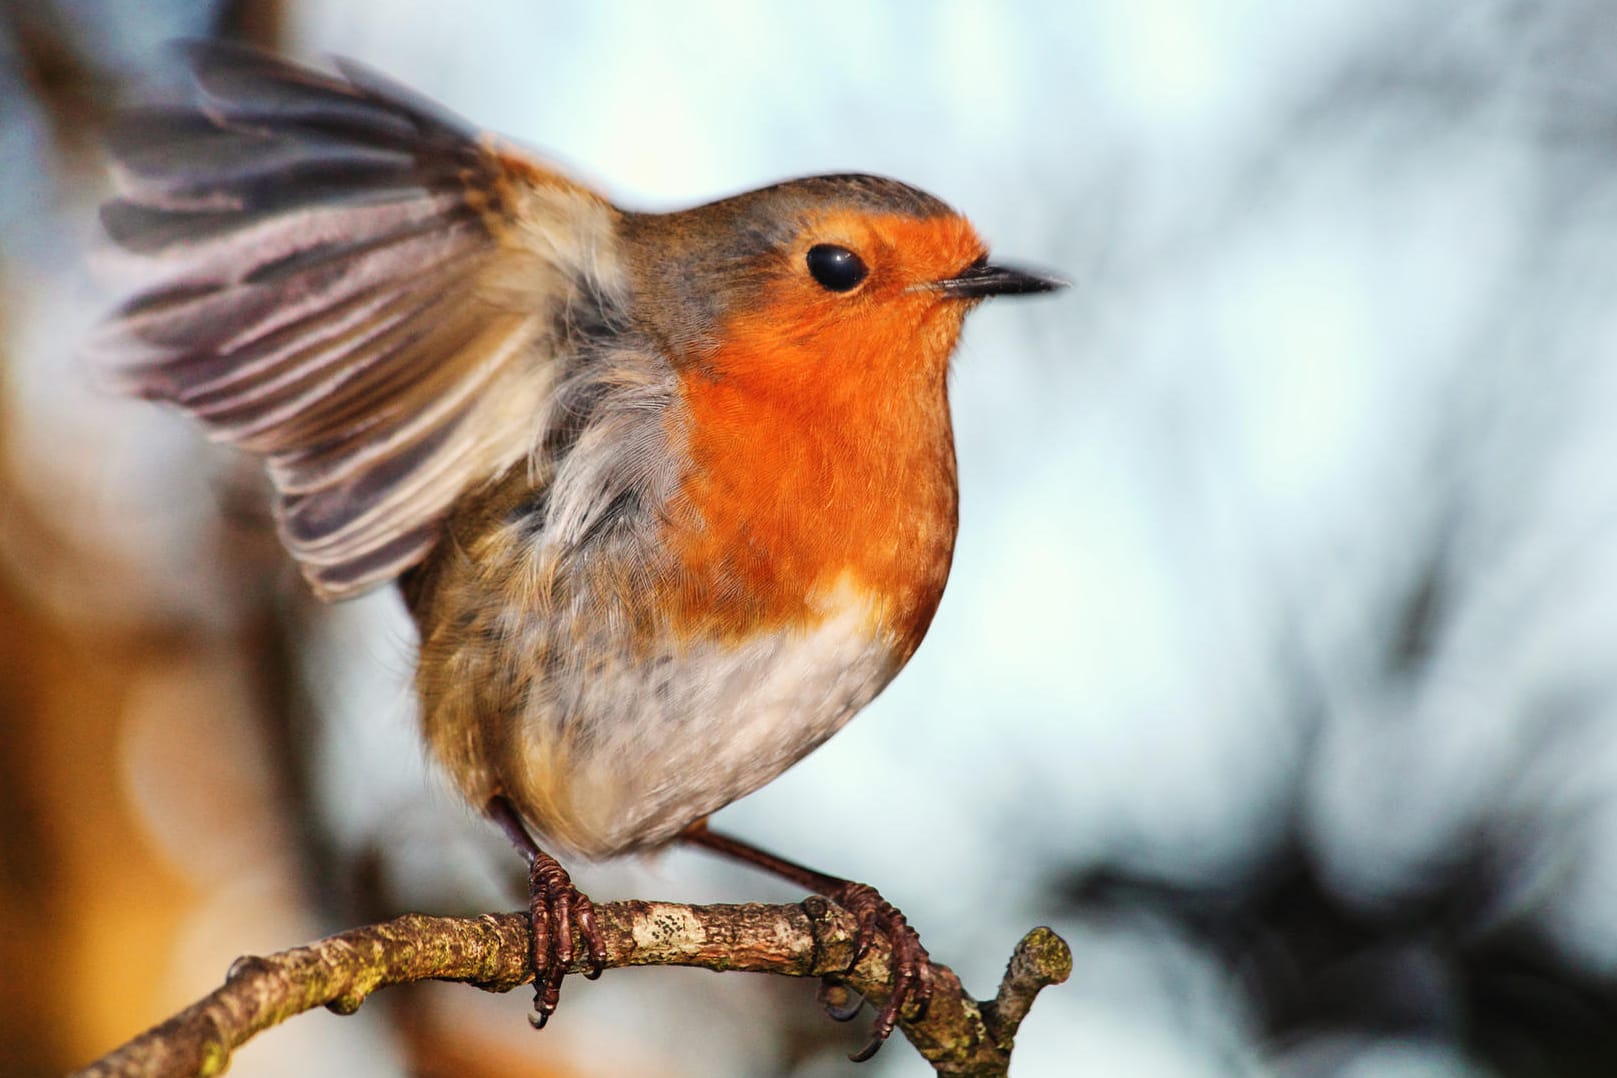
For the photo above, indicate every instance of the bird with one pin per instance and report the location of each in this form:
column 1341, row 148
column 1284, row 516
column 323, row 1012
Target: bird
column 670, row 496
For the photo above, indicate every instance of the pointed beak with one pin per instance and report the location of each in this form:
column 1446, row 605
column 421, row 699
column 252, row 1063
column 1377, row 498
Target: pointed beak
column 987, row 279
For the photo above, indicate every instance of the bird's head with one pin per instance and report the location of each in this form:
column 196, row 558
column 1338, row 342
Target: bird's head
column 848, row 275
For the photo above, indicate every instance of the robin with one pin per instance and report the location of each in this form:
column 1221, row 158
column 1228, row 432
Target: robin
column 670, row 497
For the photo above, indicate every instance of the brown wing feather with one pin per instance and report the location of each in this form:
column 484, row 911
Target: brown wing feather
column 357, row 287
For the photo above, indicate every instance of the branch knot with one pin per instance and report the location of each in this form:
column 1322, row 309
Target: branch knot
column 815, row 938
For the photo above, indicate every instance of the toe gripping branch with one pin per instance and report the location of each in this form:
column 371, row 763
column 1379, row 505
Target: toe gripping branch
column 912, row 966
column 556, row 910
column 959, row 1036
column 912, row 980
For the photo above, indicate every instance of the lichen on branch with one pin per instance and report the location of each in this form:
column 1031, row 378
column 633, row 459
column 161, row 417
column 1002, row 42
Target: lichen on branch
column 958, row 1035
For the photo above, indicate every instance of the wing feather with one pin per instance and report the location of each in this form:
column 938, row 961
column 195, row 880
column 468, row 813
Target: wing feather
column 353, row 283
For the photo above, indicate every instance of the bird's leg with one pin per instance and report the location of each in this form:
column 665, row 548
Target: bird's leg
column 912, row 967
column 555, row 909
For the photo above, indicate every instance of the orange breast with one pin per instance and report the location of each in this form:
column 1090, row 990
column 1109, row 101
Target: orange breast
column 821, row 458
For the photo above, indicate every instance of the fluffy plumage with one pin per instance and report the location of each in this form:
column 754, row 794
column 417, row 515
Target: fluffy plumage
column 668, row 511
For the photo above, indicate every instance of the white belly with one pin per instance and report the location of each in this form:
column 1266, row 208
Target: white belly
column 650, row 747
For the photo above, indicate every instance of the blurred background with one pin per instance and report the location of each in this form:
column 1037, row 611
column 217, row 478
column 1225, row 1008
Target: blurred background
column 1276, row 671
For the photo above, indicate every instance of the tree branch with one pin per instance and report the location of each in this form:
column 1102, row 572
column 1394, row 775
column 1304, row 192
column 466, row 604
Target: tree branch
column 958, row 1035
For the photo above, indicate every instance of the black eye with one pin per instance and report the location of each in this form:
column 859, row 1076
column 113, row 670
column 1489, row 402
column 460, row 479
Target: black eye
column 836, row 268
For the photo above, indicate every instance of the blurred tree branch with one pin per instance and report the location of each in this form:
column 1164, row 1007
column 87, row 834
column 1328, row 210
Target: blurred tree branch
column 959, row 1036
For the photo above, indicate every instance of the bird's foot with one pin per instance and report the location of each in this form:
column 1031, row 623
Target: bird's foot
column 912, row 966
column 557, row 909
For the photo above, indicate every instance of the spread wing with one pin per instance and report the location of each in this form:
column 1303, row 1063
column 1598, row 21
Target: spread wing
column 355, row 285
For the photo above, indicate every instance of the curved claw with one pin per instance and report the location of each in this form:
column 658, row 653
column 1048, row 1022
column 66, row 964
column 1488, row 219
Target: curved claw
column 912, row 966
column 555, row 909
column 841, row 1003
column 868, row 1050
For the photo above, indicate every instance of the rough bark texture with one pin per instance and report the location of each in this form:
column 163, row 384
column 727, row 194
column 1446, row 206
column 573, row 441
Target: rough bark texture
column 958, row 1035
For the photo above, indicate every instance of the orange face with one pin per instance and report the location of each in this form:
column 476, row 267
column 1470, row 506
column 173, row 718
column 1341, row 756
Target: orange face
column 805, row 340
column 818, row 430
